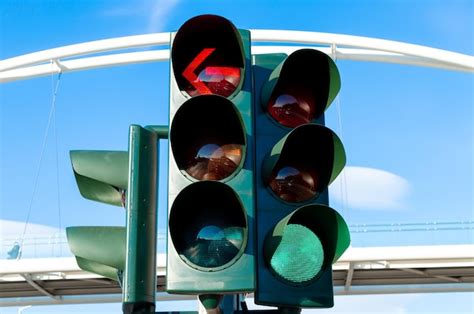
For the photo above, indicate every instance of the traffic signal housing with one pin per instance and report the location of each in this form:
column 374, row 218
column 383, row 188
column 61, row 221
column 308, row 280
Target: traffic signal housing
column 211, row 205
column 299, row 236
column 126, row 254
column 101, row 176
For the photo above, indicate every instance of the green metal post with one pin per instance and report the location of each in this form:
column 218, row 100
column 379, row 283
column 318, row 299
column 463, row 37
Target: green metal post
column 140, row 267
column 162, row 131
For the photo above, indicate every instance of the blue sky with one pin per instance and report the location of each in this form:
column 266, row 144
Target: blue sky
column 407, row 130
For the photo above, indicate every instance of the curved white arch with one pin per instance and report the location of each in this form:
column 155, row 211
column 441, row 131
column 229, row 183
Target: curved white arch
column 356, row 48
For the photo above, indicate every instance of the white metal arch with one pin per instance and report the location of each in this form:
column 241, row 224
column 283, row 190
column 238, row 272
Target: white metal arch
column 346, row 47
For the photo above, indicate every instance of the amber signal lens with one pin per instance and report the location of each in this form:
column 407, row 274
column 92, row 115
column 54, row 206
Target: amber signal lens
column 213, row 161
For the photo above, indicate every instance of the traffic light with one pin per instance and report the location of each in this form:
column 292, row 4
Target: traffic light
column 299, row 236
column 211, row 205
column 125, row 254
column 101, row 176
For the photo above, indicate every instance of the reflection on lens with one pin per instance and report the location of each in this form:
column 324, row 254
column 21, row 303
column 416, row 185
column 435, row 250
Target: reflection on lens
column 299, row 256
column 290, row 111
column 220, row 80
column 214, row 246
column 215, row 162
column 294, row 185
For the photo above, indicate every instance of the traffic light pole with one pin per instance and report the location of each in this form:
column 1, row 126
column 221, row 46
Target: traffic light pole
column 140, row 267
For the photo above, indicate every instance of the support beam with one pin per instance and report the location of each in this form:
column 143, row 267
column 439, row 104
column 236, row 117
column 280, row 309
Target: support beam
column 426, row 274
column 350, row 274
column 35, row 285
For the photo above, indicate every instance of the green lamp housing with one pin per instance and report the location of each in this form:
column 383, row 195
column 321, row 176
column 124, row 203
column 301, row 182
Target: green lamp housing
column 211, row 210
column 101, row 176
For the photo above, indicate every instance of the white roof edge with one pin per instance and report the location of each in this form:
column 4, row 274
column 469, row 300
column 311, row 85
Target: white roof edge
column 462, row 254
column 430, row 252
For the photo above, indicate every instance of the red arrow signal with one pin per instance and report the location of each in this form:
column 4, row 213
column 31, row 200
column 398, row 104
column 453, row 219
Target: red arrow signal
column 213, row 79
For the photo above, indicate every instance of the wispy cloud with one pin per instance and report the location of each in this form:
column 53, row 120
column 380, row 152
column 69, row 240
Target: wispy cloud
column 155, row 13
column 159, row 14
column 369, row 188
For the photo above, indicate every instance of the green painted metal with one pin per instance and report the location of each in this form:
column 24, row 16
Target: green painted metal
column 98, row 268
column 210, row 301
column 100, row 250
column 312, row 219
column 237, row 275
column 101, row 175
column 162, row 131
column 104, row 176
column 140, row 271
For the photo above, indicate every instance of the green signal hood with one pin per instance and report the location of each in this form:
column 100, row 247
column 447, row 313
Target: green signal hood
column 307, row 72
column 101, row 175
column 311, row 145
column 100, row 250
column 325, row 222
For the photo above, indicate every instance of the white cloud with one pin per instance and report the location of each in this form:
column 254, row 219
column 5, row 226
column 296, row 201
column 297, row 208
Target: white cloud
column 369, row 188
column 155, row 12
column 159, row 14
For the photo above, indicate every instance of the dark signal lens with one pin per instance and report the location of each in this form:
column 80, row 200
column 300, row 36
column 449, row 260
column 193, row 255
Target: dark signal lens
column 207, row 224
column 294, row 184
column 213, row 161
column 291, row 111
column 215, row 246
column 208, row 138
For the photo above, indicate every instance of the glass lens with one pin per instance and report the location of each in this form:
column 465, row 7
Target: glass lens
column 290, row 111
column 212, row 161
column 293, row 184
column 220, row 80
column 214, row 246
column 299, row 257
column 212, row 78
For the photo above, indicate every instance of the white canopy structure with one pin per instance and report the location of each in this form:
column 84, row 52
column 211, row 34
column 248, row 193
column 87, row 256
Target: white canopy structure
column 372, row 270
column 345, row 47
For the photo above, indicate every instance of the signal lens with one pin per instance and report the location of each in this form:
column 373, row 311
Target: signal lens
column 214, row 161
column 219, row 80
column 207, row 57
column 215, row 246
column 291, row 111
column 294, row 184
column 207, row 225
column 299, row 257
column 207, row 138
